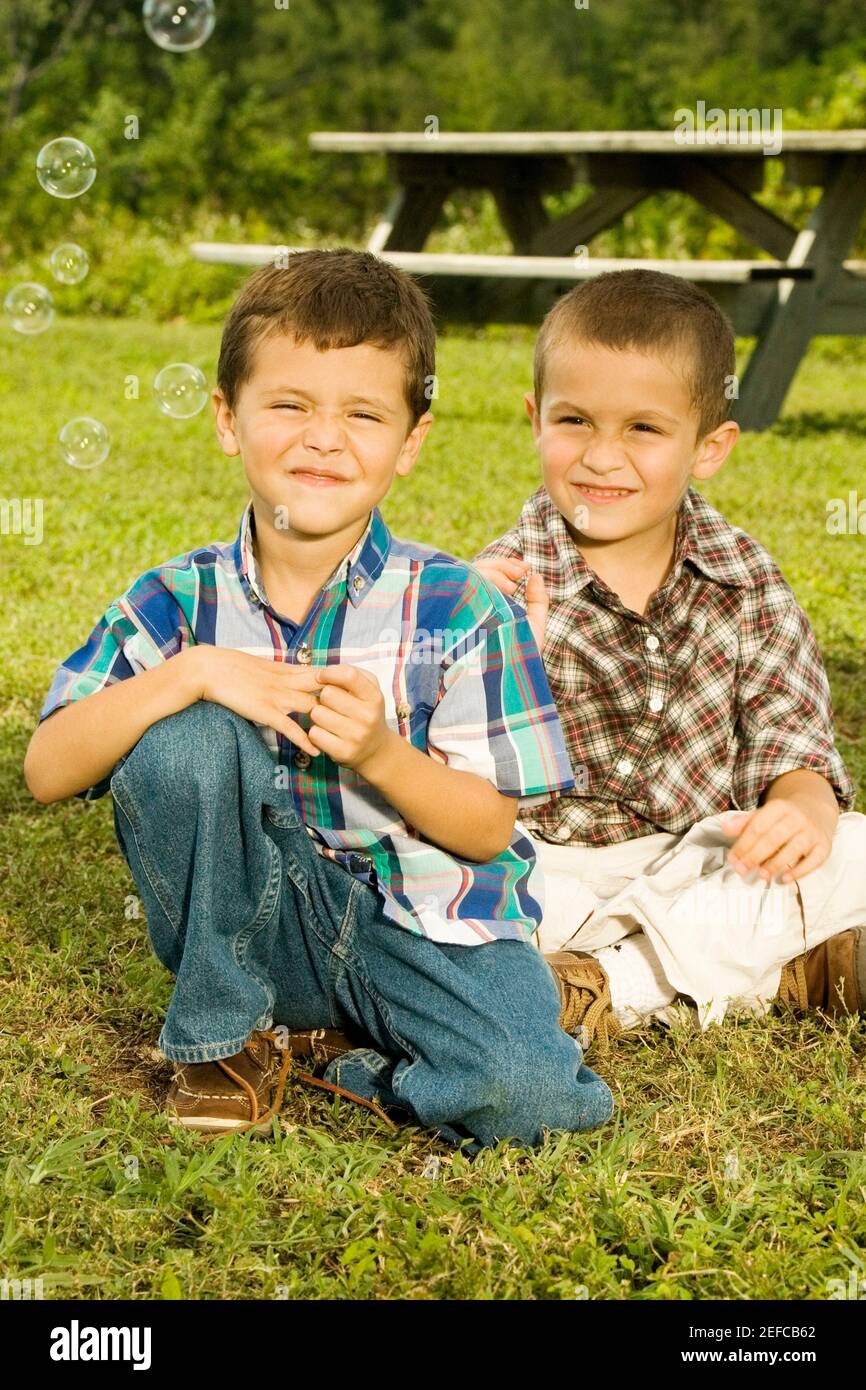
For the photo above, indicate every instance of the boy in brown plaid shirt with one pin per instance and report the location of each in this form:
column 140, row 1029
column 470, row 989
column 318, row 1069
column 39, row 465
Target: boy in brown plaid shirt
column 709, row 851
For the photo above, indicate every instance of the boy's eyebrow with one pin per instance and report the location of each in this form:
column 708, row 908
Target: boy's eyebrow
column 633, row 415
column 373, row 401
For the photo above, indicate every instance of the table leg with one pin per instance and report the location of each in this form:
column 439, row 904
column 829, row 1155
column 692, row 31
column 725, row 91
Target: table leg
column 577, row 228
column 798, row 305
column 522, row 214
column 412, row 213
column 721, row 196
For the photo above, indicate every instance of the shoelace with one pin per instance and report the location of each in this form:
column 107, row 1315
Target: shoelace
column 793, row 988
column 587, row 1007
column 257, row 1118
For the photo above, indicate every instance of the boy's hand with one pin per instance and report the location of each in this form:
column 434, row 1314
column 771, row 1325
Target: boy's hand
column 506, row 574
column 257, row 688
column 348, row 719
column 780, row 838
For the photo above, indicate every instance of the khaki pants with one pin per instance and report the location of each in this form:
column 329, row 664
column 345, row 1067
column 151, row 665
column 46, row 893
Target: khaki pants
column 721, row 941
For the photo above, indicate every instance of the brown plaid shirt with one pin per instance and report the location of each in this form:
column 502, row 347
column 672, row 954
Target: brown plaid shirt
column 688, row 711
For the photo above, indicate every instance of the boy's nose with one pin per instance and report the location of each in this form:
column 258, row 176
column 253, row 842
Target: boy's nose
column 324, row 436
column 602, row 457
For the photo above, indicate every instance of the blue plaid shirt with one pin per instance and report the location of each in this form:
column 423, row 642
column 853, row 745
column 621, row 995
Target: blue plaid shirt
column 462, row 681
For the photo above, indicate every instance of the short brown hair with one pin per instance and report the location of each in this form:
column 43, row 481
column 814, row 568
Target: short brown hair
column 646, row 310
column 332, row 299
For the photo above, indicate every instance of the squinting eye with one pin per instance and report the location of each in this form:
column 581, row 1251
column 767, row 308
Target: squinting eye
column 362, row 415
column 648, row 429
column 571, row 420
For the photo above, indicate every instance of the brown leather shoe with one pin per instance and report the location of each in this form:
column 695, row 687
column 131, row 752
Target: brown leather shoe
column 317, row 1046
column 245, row 1091
column 233, row 1094
column 586, row 1011
column 831, row 977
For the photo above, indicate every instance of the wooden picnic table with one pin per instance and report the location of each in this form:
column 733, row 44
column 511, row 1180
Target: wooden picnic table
column 803, row 285
column 623, row 167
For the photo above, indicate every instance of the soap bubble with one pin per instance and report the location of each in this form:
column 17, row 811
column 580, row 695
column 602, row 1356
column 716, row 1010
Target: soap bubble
column 84, row 442
column 69, row 263
column 179, row 25
column 180, row 390
column 66, row 167
column 29, row 308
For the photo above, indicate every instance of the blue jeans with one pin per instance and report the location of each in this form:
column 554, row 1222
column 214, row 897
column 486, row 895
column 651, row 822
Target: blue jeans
column 260, row 930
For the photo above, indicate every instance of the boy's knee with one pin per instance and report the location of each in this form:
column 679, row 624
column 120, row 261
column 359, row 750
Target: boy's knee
column 192, row 747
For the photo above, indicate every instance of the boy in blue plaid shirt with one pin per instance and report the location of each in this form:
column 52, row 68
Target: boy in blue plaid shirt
column 316, row 738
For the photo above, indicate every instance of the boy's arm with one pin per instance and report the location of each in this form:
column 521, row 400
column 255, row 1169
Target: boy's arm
column 78, row 745
column 787, row 768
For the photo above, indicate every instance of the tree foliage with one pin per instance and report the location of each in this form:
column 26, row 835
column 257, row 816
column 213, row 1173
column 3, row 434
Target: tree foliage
column 222, row 132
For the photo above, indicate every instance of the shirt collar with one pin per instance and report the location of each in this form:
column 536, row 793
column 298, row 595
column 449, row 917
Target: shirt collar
column 704, row 540
column 359, row 570
column 711, row 544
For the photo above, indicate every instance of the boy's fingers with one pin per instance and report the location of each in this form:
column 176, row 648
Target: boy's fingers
column 763, row 845
column 813, row 860
column 790, row 854
column 537, row 604
column 296, row 702
column 513, row 567
column 503, row 564
column 536, row 592
column 295, row 734
column 326, row 742
column 335, row 698
column 757, row 826
column 735, row 824
column 298, row 677
column 332, row 721
column 350, row 678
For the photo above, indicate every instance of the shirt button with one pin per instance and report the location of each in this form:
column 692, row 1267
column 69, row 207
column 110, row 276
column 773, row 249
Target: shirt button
column 302, row 759
column 304, row 654
column 358, row 583
column 624, row 767
column 653, row 643
column 403, row 710
column 656, row 703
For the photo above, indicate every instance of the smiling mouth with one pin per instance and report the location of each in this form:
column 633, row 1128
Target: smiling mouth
column 603, row 494
column 315, row 478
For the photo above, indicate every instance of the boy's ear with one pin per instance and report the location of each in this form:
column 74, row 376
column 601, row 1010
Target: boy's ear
column 412, row 446
column 225, row 424
column 533, row 412
column 714, row 448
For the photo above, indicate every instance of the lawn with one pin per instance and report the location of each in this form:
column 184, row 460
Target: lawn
column 736, row 1164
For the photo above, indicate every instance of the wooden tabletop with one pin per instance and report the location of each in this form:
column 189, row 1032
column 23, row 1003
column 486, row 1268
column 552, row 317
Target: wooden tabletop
column 586, row 142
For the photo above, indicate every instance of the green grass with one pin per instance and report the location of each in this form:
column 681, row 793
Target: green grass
column 653, row 1206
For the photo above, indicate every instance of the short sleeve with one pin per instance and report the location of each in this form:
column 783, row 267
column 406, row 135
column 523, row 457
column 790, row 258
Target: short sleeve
column 495, row 715
column 124, row 642
column 784, row 718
